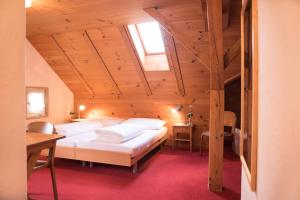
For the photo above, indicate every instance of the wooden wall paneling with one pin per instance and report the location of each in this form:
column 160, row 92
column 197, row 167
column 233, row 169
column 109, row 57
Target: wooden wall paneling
column 154, row 106
column 162, row 82
column 114, row 52
column 175, row 62
column 216, row 127
column 101, row 62
column 55, row 58
column 232, row 53
column 77, row 15
column 134, row 56
column 75, row 70
column 195, row 75
column 79, row 52
column 178, row 34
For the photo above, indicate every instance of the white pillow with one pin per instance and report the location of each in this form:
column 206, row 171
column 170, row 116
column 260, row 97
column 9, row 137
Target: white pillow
column 108, row 121
column 119, row 133
column 148, row 123
column 77, row 128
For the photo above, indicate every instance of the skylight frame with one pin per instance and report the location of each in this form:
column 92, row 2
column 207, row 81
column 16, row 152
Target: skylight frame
column 142, row 56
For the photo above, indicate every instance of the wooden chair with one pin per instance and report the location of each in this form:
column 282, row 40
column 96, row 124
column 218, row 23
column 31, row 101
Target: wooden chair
column 45, row 127
column 229, row 121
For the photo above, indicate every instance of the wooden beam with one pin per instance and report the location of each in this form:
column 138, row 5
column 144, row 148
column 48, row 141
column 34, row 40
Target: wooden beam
column 216, row 122
column 232, row 53
column 74, row 68
column 100, row 60
column 179, row 35
column 175, row 63
column 232, row 78
column 135, row 58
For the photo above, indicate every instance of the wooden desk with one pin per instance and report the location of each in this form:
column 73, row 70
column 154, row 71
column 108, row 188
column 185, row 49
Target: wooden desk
column 36, row 142
column 183, row 129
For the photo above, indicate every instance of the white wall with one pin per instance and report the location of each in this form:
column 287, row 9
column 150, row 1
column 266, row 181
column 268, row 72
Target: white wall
column 279, row 98
column 12, row 92
column 38, row 73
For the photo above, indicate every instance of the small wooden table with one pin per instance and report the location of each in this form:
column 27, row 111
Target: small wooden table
column 36, row 142
column 183, row 129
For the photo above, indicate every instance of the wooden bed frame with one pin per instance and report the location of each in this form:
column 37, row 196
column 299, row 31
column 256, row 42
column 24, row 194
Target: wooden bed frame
column 106, row 157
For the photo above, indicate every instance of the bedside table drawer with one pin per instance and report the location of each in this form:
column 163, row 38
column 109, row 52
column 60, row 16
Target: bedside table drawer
column 178, row 129
column 181, row 129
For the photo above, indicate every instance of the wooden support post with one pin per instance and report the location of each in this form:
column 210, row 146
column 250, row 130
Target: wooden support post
column 216, row 123
column 179, row 35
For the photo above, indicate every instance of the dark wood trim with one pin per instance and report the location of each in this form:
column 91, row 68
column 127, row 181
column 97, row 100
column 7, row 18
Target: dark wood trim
column 175, row 64
column 100, row 60
column 135, row 58
column 74, row 68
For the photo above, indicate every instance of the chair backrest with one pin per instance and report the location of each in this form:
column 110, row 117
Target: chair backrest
column 40, row 127
column 230, row 120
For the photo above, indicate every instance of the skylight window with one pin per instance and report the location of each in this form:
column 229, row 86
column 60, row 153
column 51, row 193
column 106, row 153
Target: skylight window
column 149, row 44
column 151, row 38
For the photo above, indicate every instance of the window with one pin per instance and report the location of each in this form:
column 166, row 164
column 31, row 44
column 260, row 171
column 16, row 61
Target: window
column 37, row 102
column 149, row 44
column 151, row 38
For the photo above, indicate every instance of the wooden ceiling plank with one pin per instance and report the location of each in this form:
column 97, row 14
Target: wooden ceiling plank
column 179, row 35
column 216, row 121
column 135, row 58
column 74, row 68
column 100, row 60
column 232, row 53
column 176, row 64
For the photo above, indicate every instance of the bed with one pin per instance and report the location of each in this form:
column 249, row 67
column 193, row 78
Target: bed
column 85, row 143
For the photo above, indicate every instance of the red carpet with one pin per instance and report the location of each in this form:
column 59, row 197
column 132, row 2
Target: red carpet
column 167, row 175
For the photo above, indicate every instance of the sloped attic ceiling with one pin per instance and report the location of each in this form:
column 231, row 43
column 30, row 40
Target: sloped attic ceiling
column 86, row 44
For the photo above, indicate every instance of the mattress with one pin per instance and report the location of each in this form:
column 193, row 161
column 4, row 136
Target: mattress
column 132, row 147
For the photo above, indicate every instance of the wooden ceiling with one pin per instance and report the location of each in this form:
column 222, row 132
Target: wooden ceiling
column 85, row 43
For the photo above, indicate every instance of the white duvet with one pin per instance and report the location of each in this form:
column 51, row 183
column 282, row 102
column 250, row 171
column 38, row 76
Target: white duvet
column 77, row 128
column 119, row 133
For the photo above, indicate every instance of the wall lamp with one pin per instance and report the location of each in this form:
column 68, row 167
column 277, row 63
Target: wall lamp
column 178, row 108
column 80, row 108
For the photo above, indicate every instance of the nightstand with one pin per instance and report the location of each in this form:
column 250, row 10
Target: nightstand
column 184, row 133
